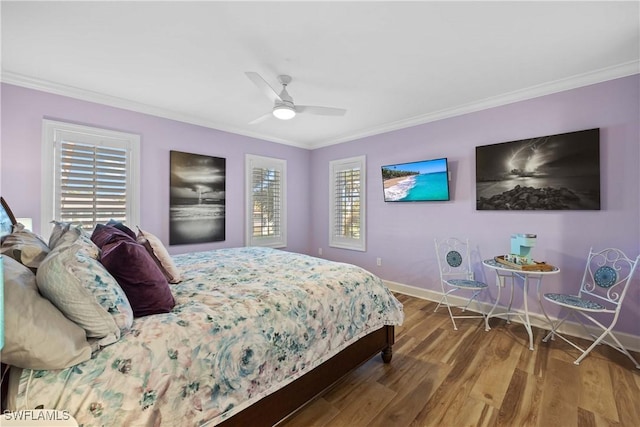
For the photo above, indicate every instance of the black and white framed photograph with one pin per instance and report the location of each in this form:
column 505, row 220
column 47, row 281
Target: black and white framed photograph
column 197, row 198
column 555, row 172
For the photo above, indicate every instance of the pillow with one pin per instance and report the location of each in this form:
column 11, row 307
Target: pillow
column 79, row 286
column 120, row 226
column 104, row 286
column 37, row 334
column 104, row 234
column 66, row 234
column 141, row 279
column 59, row 228
column 159, row 253
column 25, row 247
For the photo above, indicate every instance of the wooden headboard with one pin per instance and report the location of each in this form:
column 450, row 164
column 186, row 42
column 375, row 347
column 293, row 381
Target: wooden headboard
column 7, row 221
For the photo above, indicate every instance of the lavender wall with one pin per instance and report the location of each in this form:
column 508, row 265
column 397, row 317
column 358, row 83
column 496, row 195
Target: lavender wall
column 402, row 234
column 22, row 114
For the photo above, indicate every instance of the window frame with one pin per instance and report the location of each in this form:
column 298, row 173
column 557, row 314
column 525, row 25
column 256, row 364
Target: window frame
column 341, row 241
column 252, row 162
column 53, row 133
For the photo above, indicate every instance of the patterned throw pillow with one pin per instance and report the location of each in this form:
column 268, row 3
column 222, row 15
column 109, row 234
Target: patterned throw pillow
column 65, row 234
column 25, row 247
column 79, row 286
column 59, row 228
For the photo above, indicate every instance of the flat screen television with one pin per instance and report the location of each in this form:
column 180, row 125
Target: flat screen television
column 422, row 181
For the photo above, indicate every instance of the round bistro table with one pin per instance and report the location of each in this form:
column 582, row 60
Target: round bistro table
column 504, row 273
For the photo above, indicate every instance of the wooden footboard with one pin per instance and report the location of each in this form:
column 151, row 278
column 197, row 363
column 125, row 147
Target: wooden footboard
column 278, row 405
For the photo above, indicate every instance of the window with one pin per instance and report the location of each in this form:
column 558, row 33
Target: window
column 266, row 201
column 89, row 175
column 347, row 203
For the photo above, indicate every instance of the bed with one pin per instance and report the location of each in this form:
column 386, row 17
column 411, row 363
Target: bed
column 254, row 333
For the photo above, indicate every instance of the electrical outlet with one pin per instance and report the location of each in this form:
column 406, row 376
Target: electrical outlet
column 378, row 262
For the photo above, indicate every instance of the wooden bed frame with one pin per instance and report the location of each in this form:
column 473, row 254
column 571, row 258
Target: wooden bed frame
column 275, row 407
column 5, row 210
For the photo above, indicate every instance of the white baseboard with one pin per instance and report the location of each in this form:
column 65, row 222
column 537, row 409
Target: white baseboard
column 630, row 342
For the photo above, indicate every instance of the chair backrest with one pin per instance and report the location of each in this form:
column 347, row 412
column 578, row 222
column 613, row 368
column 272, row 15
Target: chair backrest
column 453, row 258
column 607, row 276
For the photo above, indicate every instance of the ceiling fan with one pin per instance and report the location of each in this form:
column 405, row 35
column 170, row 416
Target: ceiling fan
column 283, row 106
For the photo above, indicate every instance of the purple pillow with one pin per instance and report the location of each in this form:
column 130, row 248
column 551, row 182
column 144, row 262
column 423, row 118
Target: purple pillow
column 139, row 277
column 120, row 226
column 105, row 234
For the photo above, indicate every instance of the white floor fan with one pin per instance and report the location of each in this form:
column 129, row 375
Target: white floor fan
column 283, row 106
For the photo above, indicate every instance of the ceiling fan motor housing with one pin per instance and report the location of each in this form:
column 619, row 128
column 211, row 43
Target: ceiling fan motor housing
column 284, row 95
column 284, row 110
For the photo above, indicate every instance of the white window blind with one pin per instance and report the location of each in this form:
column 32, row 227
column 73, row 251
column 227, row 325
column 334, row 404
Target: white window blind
column 92, row 184
column 90, row 175
column 266, row 225
column 347, row 203
column 266, row 202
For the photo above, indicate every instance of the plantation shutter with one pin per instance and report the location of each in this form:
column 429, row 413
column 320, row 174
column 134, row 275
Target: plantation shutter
column 347, row 198
column 266, row 203
column 93, row 184
column 90, row 175
column 347, row 203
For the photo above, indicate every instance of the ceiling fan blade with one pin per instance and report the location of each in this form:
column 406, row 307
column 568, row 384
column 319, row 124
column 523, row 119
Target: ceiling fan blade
column 260, row 119
column 264, row 86
column 321, row 111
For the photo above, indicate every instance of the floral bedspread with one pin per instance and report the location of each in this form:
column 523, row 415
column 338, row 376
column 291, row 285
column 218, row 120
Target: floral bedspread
column 247, row 321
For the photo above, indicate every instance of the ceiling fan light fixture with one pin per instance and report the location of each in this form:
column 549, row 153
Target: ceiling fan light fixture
column 284, row 112
column 283, row 105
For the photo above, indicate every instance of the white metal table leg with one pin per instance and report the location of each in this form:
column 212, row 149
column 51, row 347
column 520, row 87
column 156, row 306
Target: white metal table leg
column 527, row 320
column 513, row 285
column 503, row 272
column 495, row 304
column 546, row 316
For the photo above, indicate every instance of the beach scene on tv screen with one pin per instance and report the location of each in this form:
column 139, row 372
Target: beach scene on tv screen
column 414, row 182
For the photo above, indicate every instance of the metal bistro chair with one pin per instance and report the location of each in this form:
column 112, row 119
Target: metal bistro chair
column 456, row 275
column 605, row 282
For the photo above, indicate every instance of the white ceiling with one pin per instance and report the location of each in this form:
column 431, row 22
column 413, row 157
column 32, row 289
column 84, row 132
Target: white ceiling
column 390, row 64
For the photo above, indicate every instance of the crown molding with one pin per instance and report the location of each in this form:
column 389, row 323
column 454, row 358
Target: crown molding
column 126, row 104
column 573, row 82
column 561, row 85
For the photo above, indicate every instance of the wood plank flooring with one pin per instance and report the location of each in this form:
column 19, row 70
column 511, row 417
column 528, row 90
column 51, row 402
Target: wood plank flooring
column 470, row 377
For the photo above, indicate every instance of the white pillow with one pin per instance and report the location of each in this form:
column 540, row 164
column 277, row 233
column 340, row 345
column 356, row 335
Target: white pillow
column 160, row 255
column 37, row 334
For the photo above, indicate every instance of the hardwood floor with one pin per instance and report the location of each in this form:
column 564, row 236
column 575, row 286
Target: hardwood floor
column 469, row 377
